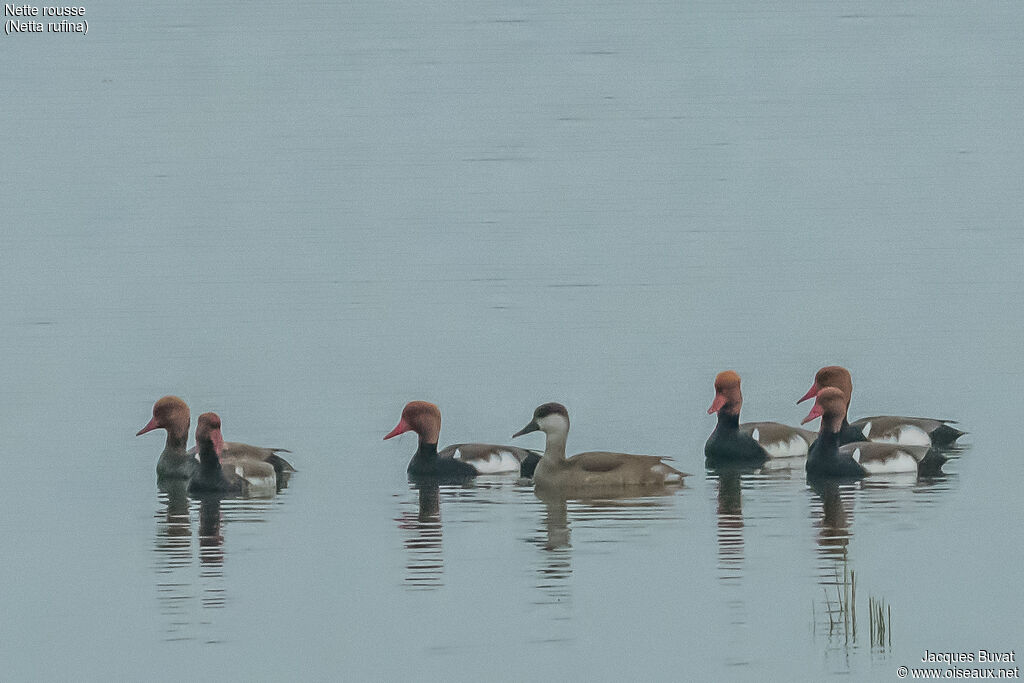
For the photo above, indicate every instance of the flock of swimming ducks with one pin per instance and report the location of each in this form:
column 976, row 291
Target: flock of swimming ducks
column 871, row 445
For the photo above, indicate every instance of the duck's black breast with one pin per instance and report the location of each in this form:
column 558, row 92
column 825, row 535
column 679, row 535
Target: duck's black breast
column 208, row 479
column 824, row 458
column 848, row 434
column 727, row 444
column 426, row 464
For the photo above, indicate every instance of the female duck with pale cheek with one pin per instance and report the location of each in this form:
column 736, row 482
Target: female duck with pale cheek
column 592, row 469
column 828, row 458
column 751, row 443
column 911, row 431
column 171, row 413
column 242, row 476
column 459, row 461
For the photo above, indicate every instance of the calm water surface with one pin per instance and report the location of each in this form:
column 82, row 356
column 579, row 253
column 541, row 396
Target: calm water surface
column 304, row 217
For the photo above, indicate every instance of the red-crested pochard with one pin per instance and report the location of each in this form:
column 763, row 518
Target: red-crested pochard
column 593, row 469
column 752, row 442
column 172, row 414
column 828, row 458
column 464, row 460
column 246, row 476
column 912, row 431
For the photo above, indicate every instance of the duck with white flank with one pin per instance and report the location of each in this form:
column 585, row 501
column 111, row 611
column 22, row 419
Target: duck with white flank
column 459, row 461
column 913, row 431
column 828, row 458
column 242, row 475
column 594, row 469
column 751, row 443
column 172, row 414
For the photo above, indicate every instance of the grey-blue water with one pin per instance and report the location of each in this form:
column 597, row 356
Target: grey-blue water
column 303, row 216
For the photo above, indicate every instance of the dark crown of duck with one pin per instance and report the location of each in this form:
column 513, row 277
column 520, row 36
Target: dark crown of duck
column 543, row 411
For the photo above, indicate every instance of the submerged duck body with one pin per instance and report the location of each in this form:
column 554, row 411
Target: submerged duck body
column 458, row 461
column 827, row 457
column 910, row 431
column 751, row 443
column 593, row 469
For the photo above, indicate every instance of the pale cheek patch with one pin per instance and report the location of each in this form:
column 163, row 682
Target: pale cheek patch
column 553, row 422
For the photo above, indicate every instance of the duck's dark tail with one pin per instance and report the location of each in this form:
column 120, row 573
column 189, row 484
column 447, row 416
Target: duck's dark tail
column 529, row 464
column 280, row 464
column 945, row 436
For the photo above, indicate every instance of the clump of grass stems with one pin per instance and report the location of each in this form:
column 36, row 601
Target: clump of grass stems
column 880, row 622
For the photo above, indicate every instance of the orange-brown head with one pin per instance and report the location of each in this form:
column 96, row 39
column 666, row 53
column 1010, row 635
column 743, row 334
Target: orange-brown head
column 208, row 433
column 831, row 376
column 830, row 406
column 728, row 398
column 170, row 413
column 421, row 417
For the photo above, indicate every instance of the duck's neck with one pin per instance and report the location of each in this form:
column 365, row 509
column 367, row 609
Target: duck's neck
column 827, row 444
column 427, row 452
column 554, row 446
column 177, row 440
column 208, row 459
column 728, row 421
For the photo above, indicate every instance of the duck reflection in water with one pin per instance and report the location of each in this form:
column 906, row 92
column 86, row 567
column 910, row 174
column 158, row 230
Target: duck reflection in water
column 638, row 505
column 211, row 539
column 184, row 586
column 835, row 610
column 174, row 530
column 834, row 523
column 554, row 568
column 425, row 563
column 730, row 520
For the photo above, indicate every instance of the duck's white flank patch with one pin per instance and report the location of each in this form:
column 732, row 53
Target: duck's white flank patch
column 794, row 447
column 259, row 486
column 905, row 435
column 497, row 462
column 866, row 429
column 899, row 461
column 756, row 434
column 457, row 454
column 856, row 453
column 912, row 435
